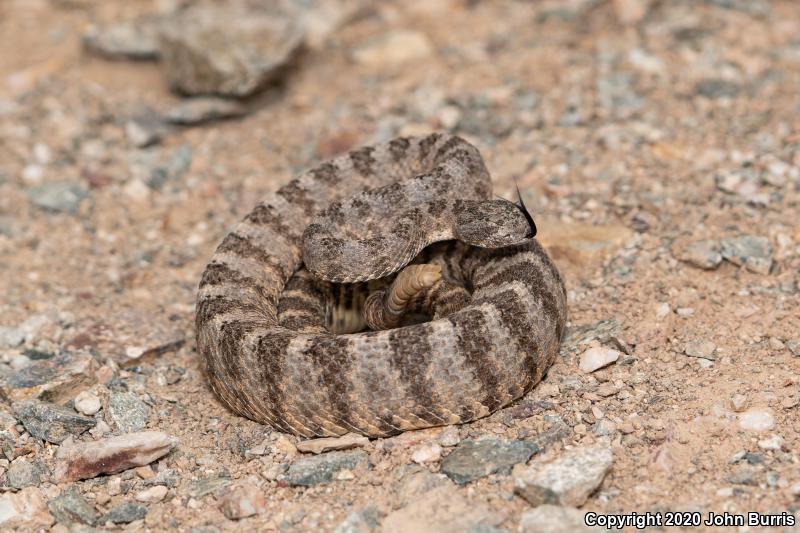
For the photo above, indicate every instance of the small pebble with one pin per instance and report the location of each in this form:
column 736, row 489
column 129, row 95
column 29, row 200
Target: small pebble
column 87, row 403
column 738, row 402
column 773, row 442
column 427, row 453
column 757, row 419
column 152, row 495
column 596, row 358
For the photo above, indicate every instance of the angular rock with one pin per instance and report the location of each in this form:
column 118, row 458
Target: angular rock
column 115, row 454
column 242, row 501
column 757, row 419
column 50, row 422
column 351, row 440
column 152, row 494
column 794, row 347
column 473, row 459
column 125, row 513
column 71, row 507
column 145, row 129
column 200, row 487
column 26, row 510
column 703, row 254
column 59, row 197
column 230, row 50
column 127, row 411
column 362, row 521
column 443, row 510
column 555, row 519
column 754, row 252
column 426, row 453
column 22, row 473
column 310, row 471
column 56, row 380
column 569, row 480
column 596, row 358
column 198, row 110
column 134, row 39
column 701, row 349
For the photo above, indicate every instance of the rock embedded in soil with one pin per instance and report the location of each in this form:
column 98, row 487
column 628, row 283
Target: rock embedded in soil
column 87, row 403
column 596, row 358
column 757, row 419
column 362, row 521
column 199, row 110
column 310, row 471
column 554, row 519
column 703, row 254
column 59, row 197
column 317, row 446
column 152, row 495
column 474, row 459
column 25, row 510
column 22, row 473
column 701, row 349
column 569, row 480
column 50, row 422
column 230, row 51
column 58, row 379
column 750, row 251
column 426, row 453
column 134, row 39
column 242, row 501
column 794, row 347
column 111, row 455
column 71, row 507
column 125, row 513
column 127, row 411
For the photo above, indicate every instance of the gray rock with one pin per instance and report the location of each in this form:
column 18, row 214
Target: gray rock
column 754, row 252
column 230, row 50
column 50, row 422
column 717, row 88
column 71, row 507
column 127, row 411
column 125, row 513
column 359, row 521
column 200, row 487
column 701, row 349
column 22, row 473
column 134, row 39
column 64, row 197
column 310, row 471
column 473, row 459
column 703, row 254
column 794, row 347
column 606, row 332
column 203, row 109
column 11, row 337
column 554, row 519
column 57, row 379
column 145, row 129
column 568, row 480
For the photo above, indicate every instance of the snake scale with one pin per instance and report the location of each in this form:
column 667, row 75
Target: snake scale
column 483, row 318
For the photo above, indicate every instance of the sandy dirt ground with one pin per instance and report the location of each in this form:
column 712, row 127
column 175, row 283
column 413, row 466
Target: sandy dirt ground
column 657, row 143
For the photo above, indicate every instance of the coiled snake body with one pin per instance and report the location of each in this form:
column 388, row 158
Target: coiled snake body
column 283, row 304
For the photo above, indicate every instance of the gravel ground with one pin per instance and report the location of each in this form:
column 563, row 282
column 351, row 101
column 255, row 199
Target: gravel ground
column 657, row 143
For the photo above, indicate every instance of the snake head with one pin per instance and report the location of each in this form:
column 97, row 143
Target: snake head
column 493, row 223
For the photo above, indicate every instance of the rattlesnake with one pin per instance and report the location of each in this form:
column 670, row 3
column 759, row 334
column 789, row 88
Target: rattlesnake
column 274, row 337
